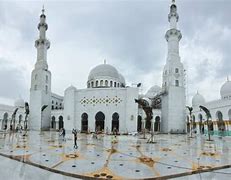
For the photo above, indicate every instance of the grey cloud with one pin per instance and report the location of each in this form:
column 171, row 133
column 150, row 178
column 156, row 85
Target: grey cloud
column 129, row 33
column 12, row 81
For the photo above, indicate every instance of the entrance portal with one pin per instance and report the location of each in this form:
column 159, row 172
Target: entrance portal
column 61, row 124
column 157, row 124
column 115, row 122
column 84, row 122
column 99, row 121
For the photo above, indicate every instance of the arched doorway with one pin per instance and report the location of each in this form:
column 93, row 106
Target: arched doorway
column 157, row 124
column 148, row 125
column 53, row 124
column 139, row 123
column 5, row 121
column 61, row 123
column 99, row 121
column 220, row 122
column 115, row 122
column 84, row 122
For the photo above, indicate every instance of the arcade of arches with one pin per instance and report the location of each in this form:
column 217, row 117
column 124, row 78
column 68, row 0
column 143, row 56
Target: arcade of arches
column 57, row 125
column 148, row 124
column 6, row 123
column 217, row 124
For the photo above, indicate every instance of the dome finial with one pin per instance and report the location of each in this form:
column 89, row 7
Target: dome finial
column 43, row 10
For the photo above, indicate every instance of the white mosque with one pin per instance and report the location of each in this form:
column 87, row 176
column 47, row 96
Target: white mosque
column 108, row 103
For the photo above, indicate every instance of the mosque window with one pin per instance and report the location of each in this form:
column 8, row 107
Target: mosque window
column 165, row 72
column 177, row 82
column 46, row 79
column 96, row 84
column 110, row 83
column 114, row 84
column 92, row 84
column 35, row 87
column 36, row 76
column 106, row 83
column 52, row 107
column 176, row 70
column 52, row 102
column 101, row 83
column 88, row 85
column 118, row 84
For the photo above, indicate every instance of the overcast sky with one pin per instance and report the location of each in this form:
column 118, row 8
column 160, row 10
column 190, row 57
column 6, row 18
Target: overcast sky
column 128, row 34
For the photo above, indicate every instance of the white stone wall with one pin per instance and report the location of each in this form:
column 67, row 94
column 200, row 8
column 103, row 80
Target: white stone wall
column 106, row 100
column 9, row 110
column 224, row 106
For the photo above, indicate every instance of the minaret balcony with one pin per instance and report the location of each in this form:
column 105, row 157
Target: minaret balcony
column 172, row 33
column 43, row 25
column 173, row 14
column 45, row 42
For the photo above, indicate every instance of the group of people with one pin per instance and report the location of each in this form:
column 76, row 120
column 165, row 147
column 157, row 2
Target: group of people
column 95, row 135
column 74, row 132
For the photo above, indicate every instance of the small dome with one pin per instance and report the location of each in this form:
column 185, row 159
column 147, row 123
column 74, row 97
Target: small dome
column 226, row 89
column 153, row 91
column 148, row 101
column 19, row 103
column 71, row 88
column 103, row 70
column 198, row 99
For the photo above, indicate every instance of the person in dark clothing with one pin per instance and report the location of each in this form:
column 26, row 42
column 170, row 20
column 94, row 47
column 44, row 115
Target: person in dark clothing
column 63, row 133
column 74, row 132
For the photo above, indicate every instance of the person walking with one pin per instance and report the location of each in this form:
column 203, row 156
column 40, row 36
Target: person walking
column 74, row 132
column 64, row 133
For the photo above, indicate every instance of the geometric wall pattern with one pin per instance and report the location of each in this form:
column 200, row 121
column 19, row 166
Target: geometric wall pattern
column 94, row 101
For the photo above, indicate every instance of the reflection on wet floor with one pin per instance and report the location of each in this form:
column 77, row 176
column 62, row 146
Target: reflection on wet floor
column 127, row 157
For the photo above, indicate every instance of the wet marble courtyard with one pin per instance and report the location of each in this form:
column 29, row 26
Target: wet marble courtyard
column 126, row 157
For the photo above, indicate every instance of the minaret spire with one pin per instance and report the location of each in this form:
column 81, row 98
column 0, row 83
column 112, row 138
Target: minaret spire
column 173, row 16
column 43, row 10
column 40, row 91
column 42, row 44
column 173, row 103
column 173, row 35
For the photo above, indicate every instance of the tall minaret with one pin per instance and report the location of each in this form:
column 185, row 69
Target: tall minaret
column 40, row 90
column 173, row 104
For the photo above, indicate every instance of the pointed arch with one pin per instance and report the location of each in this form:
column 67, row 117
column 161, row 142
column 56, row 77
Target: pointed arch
column 115, row 122
column 84, row 122
column 99, row 121
column 61, row 123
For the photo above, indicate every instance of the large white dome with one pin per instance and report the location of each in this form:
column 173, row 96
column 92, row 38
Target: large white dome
column 19, row 103
column 226, row 90
column 154, row 90
column 198, row 99
column 105, row 76
column 103, row 70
